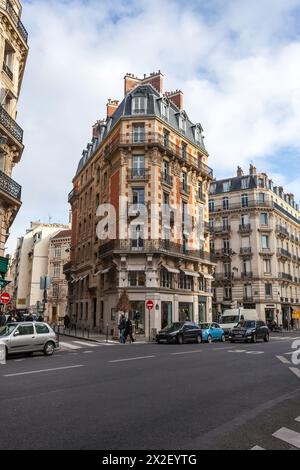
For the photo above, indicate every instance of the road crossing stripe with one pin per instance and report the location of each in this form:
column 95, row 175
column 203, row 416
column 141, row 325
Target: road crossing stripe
column 284, row 360
column 132, row 359
column 185, row 352
column 257, row 448
column 237, row 350
column 289, row 436
column 69, row 345
column 296, row 371
column 43, row 370
column 89, row 345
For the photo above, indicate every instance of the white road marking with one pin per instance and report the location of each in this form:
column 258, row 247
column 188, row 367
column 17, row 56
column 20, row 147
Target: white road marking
column 89, row 345
column 284, row 360
column 237, row 350
column 19, row 360
column 257, row 448
column 255, row 352
column 289, row 436
column 289, row 353
column 221, row 349
column 69, row 345
column 297, row 419
column 43, row 370
column 87, row 352
column 132, row 359
column 296, row 371
column 185, row 352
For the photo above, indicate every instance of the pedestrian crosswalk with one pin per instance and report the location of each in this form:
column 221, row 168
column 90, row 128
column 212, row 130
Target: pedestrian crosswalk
column 285, row 436
column 76, row 345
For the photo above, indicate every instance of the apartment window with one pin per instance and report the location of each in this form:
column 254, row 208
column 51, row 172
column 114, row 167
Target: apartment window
column 268, row 289
column 56, row 270
column 2, row 160
column 267, row 266
column 137, row 278
column 138, row 133
column 226, row 186
column 57, row 251
column 245, row 183
column 182, row 123
column 137, row 236
column 265, row 241
column 226, row 268
column 55, row 289
column 264, row 218
column 245, row 242
column 165, row 278
column 211, row 205
column 164, row 110
column 166, row 171
column 138, row 196
column 261, row 198
column 247, row 291
column 198, row 134
column 226, row 245
column 227, row 292
column 183, row 150
column 97, row 200
column 166, row 201
column 8, row 60
column 244, row 219
column 166, row 136
column 225, row 223
column 185, row 282
column 184, row 180
column 246, row 266
column 200, row 190
column 212, row 245
column 244, row 200
column 212, row 188
column 138, row 165
column 225, row 202
column 139, row 105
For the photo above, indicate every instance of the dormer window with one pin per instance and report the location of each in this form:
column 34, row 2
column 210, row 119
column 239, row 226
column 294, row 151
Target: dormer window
column 198, row 134
column 165, row 110
column 139, row 104
column 182, row 123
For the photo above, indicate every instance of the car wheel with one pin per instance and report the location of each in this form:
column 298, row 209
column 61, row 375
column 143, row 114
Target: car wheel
column 266, row 338
column 254, row 338
column 223, row 339
column 209, row 339
column 49, row 348
column 158, row 342
column 179, row 339
column 198, row 339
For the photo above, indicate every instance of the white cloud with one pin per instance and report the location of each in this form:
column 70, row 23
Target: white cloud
column 236, row 61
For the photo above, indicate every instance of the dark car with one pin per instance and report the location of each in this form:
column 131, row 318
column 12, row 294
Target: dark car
column 180, row 332
column 249, row 330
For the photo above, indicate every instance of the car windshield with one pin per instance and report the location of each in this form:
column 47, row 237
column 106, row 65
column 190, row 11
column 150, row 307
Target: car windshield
column 7, row 330
column 204, row 326
column 173, row 326
column 247, row 324
column 229, row 319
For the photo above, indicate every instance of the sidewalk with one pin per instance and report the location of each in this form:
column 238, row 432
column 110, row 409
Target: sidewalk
column 95, row 337
column 285, row 333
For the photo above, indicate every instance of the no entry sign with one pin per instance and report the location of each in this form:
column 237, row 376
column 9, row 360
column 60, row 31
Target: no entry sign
column 149, row 304
column 5, row 298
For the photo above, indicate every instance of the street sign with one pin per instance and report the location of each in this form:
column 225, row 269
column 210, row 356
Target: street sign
column 3, row 282
column 5, row 298
column 149, row 304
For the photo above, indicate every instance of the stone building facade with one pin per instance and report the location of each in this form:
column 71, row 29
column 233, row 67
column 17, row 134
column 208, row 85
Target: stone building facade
column 148, row 161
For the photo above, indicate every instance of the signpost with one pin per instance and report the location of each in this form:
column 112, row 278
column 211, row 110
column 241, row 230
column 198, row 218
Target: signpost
column 149, row 306
column 5, row 298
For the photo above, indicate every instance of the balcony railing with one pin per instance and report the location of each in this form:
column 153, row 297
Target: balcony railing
column 220, row 229
column 10, row 187
column 286, row 276
column 223, row 253
column 245, row 250
column 282, row 231
column 240, row 205
column 139, row 174
column 245, row 228
column 247, row 275
column 247, row 298
column 8, row 71
column 10, row 125
column 283, row 253
column 158, row 139
column 6, row 5
column 152, row 246
column 223, row 276
column 167, row 179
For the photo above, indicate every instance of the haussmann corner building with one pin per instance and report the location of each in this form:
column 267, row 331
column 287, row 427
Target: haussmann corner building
column 150, row 154
column 13, row 55
column 255, row 241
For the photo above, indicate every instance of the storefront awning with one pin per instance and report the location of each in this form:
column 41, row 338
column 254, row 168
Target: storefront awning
column 170, row 270
column 190, row 273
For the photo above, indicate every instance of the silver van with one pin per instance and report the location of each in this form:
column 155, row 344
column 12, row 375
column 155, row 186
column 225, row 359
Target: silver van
column 28, row 337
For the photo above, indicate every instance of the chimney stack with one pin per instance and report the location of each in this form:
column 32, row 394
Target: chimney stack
column 176, row 97
column 156, row 79
column 130, row 81
column 111, row 107
column 239, row 171
column 252, row 170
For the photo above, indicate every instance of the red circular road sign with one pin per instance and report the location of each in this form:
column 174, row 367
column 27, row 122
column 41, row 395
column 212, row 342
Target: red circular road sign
column 149, row 304
column 5, row 298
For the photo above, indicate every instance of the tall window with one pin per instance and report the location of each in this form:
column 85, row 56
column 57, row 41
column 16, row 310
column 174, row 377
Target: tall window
column 264, row 218
column 226, row 186
column 166, row 136
column 225, row 201
column 8, row 60
column 244, row 200
column 198, row 134
column 182, row 123
column 137, row 278
column 138, row 165
column 244, row 219
column 226, row 246
column 57, row 251
column 268, row 289
column 138, row 196
column 211, row 205
column 56, row 270
column 226, row 268
column 165, row 278
column 164, row 110
column 227, row 293
column 184, row 180
column 265, row 241
column 261, row 198
column 137, row 236
column 166, row 171
column 212, row 188
column 139, row 105
column 245, row 183
column 267, row 266
column 225, row 223
column 138, row 133
column 200, row 190
column 183, row 150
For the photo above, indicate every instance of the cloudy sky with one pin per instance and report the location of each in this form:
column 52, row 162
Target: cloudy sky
column 236, row 61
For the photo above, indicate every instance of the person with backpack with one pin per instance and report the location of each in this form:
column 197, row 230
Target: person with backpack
column 128, row 331
column 122, row 327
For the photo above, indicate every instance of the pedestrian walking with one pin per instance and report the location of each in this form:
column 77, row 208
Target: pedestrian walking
column 2, row 319
column 67, row 321
column 29, row 318
column 122, row 327
column 128, row 331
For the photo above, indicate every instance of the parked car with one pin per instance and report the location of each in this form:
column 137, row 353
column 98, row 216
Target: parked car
column 212, row 332
column 250, row 330
column 28, row 337
column 180, row 332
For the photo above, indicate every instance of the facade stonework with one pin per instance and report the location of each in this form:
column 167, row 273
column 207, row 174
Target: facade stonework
column 147, row 153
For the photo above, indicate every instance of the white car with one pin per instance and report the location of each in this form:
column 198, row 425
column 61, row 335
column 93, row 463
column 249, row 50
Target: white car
column 28, row 337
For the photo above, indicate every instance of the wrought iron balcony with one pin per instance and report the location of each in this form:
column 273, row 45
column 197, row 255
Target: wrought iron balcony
column 223, row 276
column 245, row 228
column 282, row 231
column 6, row 5
column 283, row 253
column 8, row 71
column 239, row 205
column 10, row 187
column 139, row 174
column 245, row 250
column 286, row 276
column 10, row 125
column 221, row 229
column 247, row 275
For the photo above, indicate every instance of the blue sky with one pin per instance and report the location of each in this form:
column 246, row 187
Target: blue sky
column 236, row 61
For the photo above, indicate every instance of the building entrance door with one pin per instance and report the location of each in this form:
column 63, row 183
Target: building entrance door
column 166, row 314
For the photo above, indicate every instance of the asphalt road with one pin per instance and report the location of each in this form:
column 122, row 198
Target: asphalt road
column 148, row 396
